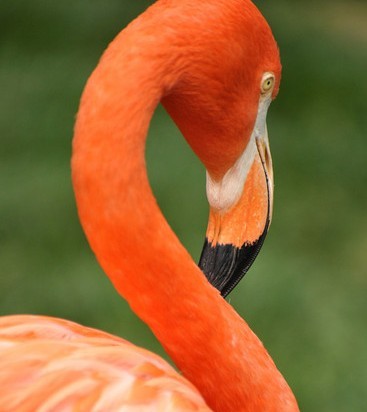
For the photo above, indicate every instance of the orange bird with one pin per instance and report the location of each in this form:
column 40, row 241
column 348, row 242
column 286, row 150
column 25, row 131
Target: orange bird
column 214, row 65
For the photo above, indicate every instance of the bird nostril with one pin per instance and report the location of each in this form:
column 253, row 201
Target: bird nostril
column 267, row 159
column 265, row 155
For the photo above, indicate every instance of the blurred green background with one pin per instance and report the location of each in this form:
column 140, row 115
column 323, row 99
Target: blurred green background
column 305, row 297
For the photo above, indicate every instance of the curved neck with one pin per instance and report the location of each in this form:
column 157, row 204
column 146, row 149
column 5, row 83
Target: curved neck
column 208, row 341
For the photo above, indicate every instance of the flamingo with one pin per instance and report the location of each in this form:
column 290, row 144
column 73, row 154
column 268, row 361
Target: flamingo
column 215, row 67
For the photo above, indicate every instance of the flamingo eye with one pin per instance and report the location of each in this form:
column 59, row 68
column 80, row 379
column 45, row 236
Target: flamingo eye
column 267, row 82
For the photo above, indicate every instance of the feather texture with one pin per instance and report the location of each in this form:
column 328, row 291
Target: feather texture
column 49, row 364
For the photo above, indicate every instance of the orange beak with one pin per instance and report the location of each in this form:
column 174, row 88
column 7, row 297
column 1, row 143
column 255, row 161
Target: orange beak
column 240, row 214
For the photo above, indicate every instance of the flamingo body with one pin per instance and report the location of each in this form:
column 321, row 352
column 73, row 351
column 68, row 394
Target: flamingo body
column 50, row 364
column 215, row 66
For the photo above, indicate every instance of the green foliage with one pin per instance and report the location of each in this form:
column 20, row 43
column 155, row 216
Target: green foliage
column 306, row 294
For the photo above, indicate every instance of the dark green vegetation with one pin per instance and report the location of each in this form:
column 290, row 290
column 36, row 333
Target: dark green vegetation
column 306, row 294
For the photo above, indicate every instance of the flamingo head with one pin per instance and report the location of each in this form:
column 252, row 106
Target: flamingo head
column 220, row 104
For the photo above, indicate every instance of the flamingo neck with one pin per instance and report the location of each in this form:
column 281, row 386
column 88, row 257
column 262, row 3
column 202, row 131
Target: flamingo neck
column 212, row 346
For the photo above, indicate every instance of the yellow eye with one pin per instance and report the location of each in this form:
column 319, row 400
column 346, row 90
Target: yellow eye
column 267, row 82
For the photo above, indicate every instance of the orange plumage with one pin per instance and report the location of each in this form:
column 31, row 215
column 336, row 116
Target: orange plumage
column 52, row 364
column 206, row 61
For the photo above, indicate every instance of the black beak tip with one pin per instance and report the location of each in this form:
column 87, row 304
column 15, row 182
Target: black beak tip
column 225, row 265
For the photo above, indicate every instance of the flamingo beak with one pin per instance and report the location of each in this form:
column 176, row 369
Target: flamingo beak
column 241, row 207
